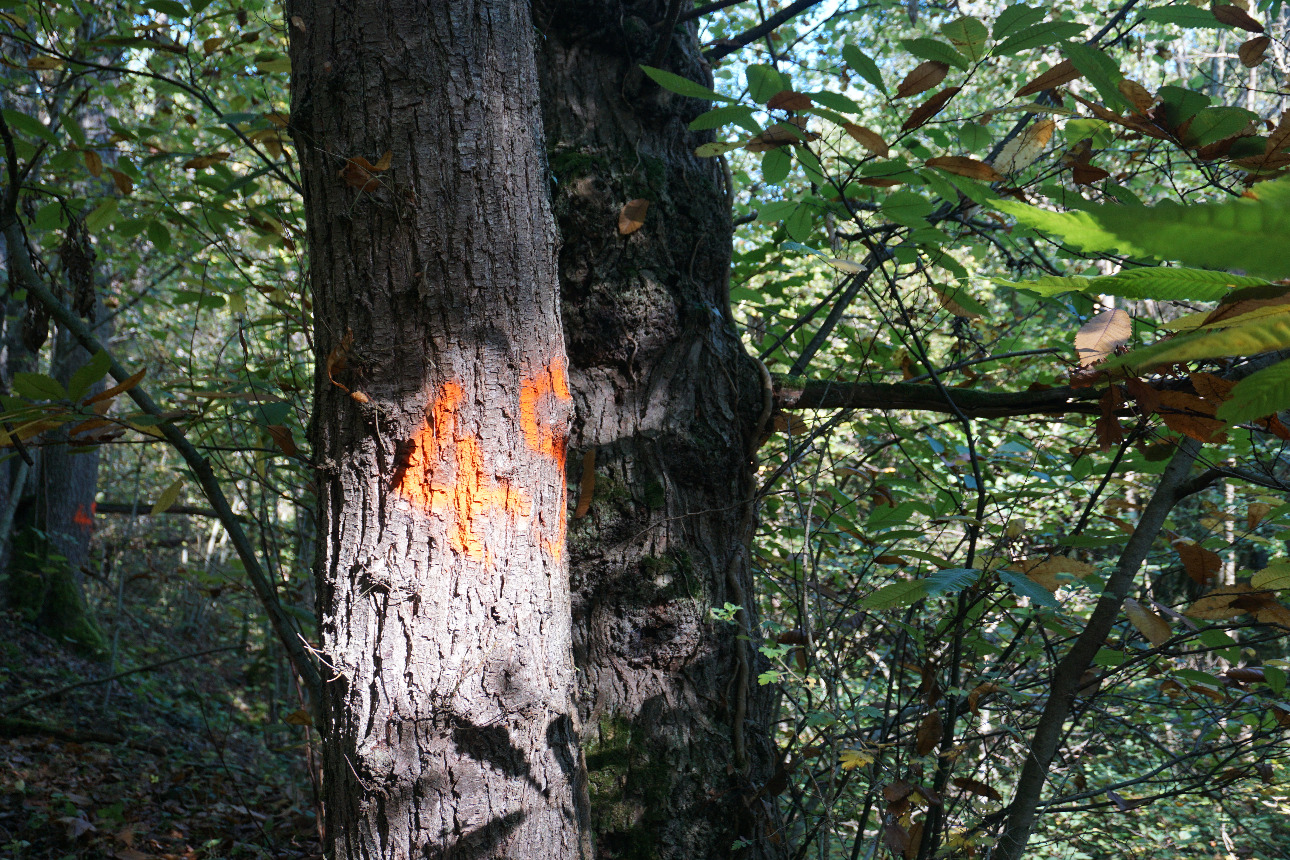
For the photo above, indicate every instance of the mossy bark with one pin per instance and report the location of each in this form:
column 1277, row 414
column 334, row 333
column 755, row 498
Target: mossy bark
column 675, row 726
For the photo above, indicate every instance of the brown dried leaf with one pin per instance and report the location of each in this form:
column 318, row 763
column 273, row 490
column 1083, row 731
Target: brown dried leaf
column 93, row 163
column 124, row 184
column 632, row 216
column 924, row 76
column 962, row 166
column 1062, row 73
column 929, row 108
column 1217, row 605
column 1235, row 16
column 895, row 837
column 1190, row 415
column 790, row 101
column 360, row 173
column 120, row 388
column 1100, row 336
column 1273, row 613
column 929, row 733
column 1255, row 513
column 203, row 161
column 588, row 484
column 1201, row 564
column 1088, row 174
column 779, row 135
column 1213, row 388
column 870, row 140
column 976, row 787
column 981, row 691
column 1156, row 630
column 915, row 839
column 281, row 435
column 1137, row 95
column 894, row 792
column 1253, row 51
column 1044, row 571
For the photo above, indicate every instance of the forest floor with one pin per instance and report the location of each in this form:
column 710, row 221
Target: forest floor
column 160, row 764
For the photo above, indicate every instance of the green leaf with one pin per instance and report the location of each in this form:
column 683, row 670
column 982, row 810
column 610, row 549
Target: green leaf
column 1213, row 124
column 159, row 236
column 683, row 86
column 37, row 386
column 934, row 49
column 28, row 125
column 1099, row 70
column 1179, row 104
column 764, row 82
column 105, row 213
column 740, row 115
column 895, row 595
column 168, row 497
column 950, row 581
column 1043, row 35
column 1158, row 283
column 1264, row 334
column 1181, row 16
column 1014, row 18
column 1264, row 392
column 775, row 164
column 1249, row 233
column 1276, row 678
column 864, row 66
column 167, row 7
column 835, row 101
column 88, row 374
column 717, row 147
column 1023, row 586
column 800, row 222
column 279, row 65
column 968, row 35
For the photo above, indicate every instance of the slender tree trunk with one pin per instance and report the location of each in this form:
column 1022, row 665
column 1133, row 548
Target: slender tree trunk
column 441, row 413
column 668, row 407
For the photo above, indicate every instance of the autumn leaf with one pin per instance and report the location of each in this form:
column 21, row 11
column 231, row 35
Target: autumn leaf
column 852, row 759
column 1062, row 73
column 1201, row 564
column 1044, row 571
column 1020, row 152
column 1136, row 94
column 632, row 216
column 924, row 76
column 1218, row 604
column 789, row 101
column 929, row 108
column 980, row 692
column 929, row 733
column 976, row 787
column 1254, row 51
column 1154, row 628
column 870, row 140
column 1190, row 415
column 201, row 162
column 168, row 497
column 299, row 717
column 281, row 436
column 962, row 166
column 1100, row 336
column 1255, row 513
column 1235, row 16
column 120, row 388
column 122, row 181
column 360, row 173
column 93, row 163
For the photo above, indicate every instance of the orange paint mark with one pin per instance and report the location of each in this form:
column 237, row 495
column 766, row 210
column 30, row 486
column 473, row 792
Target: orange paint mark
column 82, row 519
column 448, row 477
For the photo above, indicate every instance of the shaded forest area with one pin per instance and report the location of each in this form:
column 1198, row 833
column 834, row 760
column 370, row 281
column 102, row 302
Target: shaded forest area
column 645, row 429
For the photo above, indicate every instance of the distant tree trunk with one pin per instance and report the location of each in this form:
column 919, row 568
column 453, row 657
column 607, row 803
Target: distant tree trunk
column 667, row 402
column 441, row 413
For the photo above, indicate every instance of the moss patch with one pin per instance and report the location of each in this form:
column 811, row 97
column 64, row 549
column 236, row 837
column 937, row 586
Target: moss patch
column 629, row 792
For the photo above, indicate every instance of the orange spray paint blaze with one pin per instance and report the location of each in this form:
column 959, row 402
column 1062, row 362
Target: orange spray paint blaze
column 83, row 519
column 447, row 476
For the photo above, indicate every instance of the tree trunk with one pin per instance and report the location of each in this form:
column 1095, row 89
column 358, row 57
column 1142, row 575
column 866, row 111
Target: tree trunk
column 669, row 405
column 441, row 415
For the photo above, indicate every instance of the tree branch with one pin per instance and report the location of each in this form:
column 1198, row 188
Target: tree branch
column 1071, row 669
column 729, row 46
column 201, row 469
column 796, row 393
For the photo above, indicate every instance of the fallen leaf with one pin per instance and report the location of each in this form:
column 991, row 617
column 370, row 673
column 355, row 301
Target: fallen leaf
column 588, row 484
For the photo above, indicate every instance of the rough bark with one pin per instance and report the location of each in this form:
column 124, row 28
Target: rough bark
column 668, row 405
column 441, row 414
